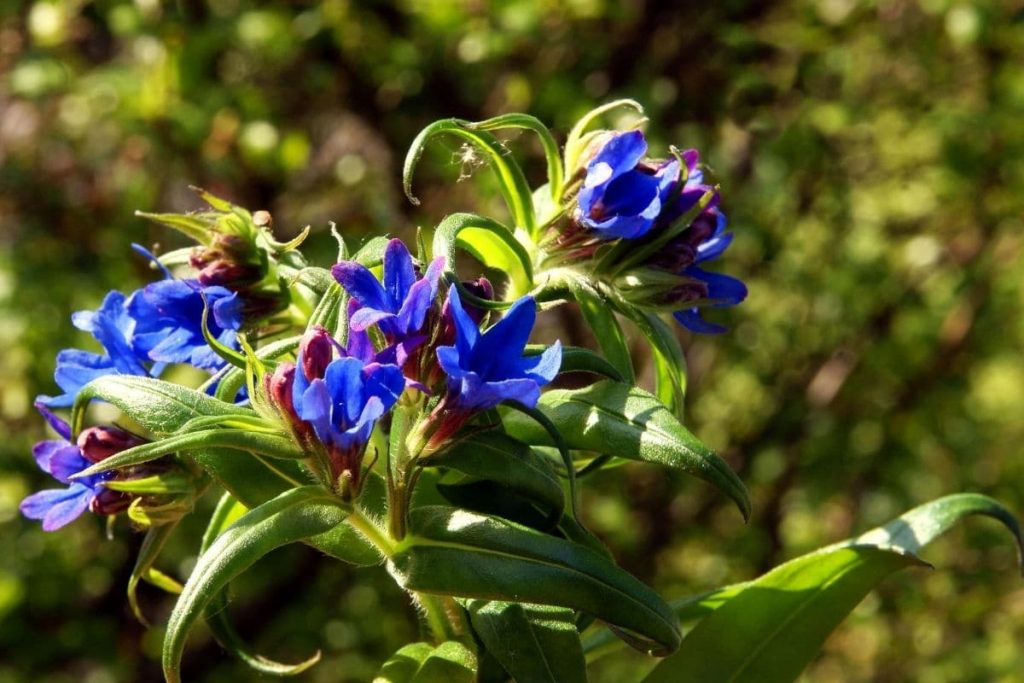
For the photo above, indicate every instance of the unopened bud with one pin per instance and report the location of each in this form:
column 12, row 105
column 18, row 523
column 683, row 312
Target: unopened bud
column 109, row 502
column 262, row 219
column 99, row 443
column 224, row 273
column 315, row 352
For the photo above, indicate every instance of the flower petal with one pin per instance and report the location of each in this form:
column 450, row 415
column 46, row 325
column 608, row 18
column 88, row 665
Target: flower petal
column 57, row 507
column 360, row 283
column 399, row 274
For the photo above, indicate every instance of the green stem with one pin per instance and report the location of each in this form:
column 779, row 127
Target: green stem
column 436, row 616
column 372, row 533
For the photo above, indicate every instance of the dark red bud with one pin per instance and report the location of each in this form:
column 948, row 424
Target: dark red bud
column 108, row 502
column 99, row 443
column 279, row 388
column 223, row 273
column 316, row 351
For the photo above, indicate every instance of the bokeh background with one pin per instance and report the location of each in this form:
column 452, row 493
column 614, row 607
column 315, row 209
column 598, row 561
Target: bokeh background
column 871, row 155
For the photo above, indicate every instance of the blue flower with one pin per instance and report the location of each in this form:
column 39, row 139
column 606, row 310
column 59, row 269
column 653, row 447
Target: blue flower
column 61, row 459
column 623, row 196
column 486, row 369
column 113, row 327
column 341, row 400
column 169, row 316
column 398, row 307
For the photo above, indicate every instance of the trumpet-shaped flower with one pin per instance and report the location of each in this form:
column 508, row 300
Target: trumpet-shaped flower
column 623, row 196
column 169, row 316
column 399, row 306
column 340, row 399
column 113, row 327
column 487, row 368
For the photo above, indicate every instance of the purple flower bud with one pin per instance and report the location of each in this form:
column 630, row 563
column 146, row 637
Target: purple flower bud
column 99, row 443
column 316, row 350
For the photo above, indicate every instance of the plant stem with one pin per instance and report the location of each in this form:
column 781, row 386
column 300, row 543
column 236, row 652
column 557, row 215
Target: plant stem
column 371, row 532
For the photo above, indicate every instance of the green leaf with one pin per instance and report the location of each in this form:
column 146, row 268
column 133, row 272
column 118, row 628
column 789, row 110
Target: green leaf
column 579, row 359
column 160, row 407
column 489, row 242
column 600, row 317
column 514, row 187
column 532, row 642
column 152, row 545
column 497, row 457
column 449, row 662
column 274, row 445
column 371, row 254
column 627, row 422
column 227, row 512
column 195, row 226
column 459, row 553
column 293, row 516
column 770, row 629
column 669, row 362
column 551, row 151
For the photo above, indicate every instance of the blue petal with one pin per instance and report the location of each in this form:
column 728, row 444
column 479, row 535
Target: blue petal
column 622, row 153
column 227, row 310
column 543, row 368
column 384, row 382
column 713, row 248
column 314, row 406
column 466, row 332
column 449, row 358
column 630, row 194
column 365, row 317
column 399, row 274
column 501, row 346
column 360, row 283
column 44, row 451
column 57, row 424
column 691, row 320
column 57, row 507
column 725, row 290
column 344, row 379
column 477, row 394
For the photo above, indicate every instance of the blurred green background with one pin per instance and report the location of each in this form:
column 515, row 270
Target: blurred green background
column 872, row 162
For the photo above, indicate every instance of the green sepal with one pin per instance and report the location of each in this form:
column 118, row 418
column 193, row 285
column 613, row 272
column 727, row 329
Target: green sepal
column 511, row 180
column 768, row 630
column 293, row 516
column 626, row 422
column 491, row 243
column 149, row 551
column 455, row 552
column 531, row 642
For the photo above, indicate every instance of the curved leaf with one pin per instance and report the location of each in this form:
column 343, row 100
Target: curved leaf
column 532, row 642
column 552, row 154
column 293, row 516
column 489, row 242
column 669, row 361
column 152, row 545
column 514, row 187
column 579, row 359
column 227, row 512
column 770, row 629
column 459, row 553
column 497, row 457
column 627, row 422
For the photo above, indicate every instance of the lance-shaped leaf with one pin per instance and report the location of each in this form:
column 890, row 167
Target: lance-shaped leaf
column 600, row 317
column 497, row 457
column 456, row 552
column 227, row 512
column 627, row 422
column 293, row 516
column 532, row 642
column 579, row 359
column 770, row 629
column 511, row 180
column 489, row 242
column 160, row 407
column 449, row 662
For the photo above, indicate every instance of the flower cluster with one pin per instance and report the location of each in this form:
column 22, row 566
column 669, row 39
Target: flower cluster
column 666, row 205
